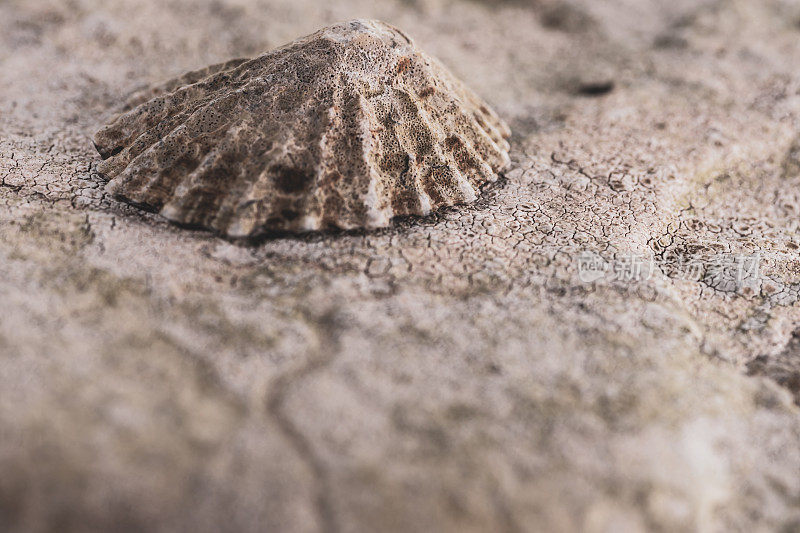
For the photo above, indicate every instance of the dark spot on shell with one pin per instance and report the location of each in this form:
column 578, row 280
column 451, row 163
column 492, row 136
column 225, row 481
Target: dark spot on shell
column 403, row 65
column 291, row 179
column 290, row 214
column 460, row 154
column 452, row 142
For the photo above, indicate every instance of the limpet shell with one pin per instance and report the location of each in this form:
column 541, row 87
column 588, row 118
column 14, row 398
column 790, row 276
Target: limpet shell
column 345, row 128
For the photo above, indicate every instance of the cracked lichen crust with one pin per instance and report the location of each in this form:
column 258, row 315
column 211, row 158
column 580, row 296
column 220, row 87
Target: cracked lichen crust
column 345, row 128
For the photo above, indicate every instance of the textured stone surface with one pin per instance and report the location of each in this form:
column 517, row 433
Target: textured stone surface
column 345, row 128
column 448, row 373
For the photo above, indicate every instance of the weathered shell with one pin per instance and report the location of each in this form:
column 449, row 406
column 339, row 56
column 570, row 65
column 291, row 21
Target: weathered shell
column 345, row 128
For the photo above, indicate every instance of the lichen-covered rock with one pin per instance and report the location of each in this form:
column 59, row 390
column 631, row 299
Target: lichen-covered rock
column 345, row 128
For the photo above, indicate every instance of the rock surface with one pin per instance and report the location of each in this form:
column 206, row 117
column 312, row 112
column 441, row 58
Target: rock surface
column 456, row 372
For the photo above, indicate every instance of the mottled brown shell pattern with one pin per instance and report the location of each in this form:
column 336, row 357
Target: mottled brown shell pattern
column 345, row 128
